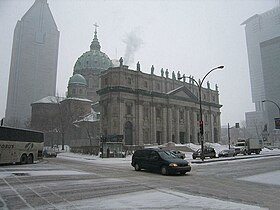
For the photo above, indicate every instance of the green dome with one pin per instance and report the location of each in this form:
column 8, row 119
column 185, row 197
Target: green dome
column 93, row 60
column 77, row 79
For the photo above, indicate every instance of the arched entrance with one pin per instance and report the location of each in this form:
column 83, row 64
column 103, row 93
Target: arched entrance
column 128, row 137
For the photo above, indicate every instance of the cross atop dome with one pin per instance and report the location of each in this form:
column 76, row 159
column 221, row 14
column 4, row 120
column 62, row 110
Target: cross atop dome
column 95, row 25
column 95, row 43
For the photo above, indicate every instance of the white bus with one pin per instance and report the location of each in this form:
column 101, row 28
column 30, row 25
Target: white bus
column 20, row 145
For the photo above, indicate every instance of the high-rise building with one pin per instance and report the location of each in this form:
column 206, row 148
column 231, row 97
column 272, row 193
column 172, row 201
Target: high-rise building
column 263, row 46
column 33, row 67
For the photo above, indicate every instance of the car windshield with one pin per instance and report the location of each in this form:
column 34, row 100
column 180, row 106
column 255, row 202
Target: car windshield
column 167, row 155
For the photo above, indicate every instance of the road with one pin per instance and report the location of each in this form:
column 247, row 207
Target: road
column 57, row 183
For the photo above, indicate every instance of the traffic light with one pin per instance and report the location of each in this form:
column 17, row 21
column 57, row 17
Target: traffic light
column 201, row 127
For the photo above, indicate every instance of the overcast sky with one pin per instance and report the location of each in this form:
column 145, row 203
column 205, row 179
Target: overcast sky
column 191, row 36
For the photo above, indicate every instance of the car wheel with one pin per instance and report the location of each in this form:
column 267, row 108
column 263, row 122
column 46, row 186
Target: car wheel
column 182, row 172
column 30, row 159
column 164, row 170
column 137, row 167
column 23, row 159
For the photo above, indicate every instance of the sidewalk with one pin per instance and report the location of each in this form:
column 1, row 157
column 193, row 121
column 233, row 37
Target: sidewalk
column 239, row 157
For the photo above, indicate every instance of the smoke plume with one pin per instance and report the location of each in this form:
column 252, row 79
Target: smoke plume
column 133, row 43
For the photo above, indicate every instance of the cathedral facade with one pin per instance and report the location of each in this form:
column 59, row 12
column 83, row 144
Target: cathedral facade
column 148, row 109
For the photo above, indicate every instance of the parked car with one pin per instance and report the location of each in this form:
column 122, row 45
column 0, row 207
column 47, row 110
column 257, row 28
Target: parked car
column 49, row 153
column 227, row 153
column 159, row 160
column 208, row 152
column 178, row 154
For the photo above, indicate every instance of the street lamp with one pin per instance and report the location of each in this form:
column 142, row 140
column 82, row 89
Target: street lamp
column 199, row 85
column 273, row 103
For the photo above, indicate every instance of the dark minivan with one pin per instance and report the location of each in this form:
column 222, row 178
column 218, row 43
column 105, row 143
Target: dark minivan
column 159, row 160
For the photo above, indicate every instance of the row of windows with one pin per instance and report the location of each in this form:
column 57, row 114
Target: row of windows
column 74, row 91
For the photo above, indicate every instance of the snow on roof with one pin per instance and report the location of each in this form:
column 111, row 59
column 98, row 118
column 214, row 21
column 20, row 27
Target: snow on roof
column 78, row 99
column 49, row 100
column 90, row 117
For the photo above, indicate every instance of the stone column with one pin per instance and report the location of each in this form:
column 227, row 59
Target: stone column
column 121, row 117
column 177, row 126
column 164, row 125
column 169, row 124
column 153, row 124
column 219, row 126
column 187, row 124
column 139, row 109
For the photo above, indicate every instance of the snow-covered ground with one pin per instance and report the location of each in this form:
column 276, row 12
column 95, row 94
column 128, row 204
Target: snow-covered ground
column 160, row 198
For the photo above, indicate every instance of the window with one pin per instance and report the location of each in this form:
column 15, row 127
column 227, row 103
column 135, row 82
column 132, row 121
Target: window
column 146, row 112
column 129, row 81
column 129, row 109
column 215, row 119
column 145, row 84
column 158, row 113
column 174, row 114
column 74, row 91
column 158, row 86
column 91, row 83
column 181, row 114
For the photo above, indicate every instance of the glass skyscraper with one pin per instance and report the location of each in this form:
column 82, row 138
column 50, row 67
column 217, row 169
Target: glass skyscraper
column 263, row 46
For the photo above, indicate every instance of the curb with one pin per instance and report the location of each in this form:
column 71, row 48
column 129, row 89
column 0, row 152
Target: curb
column 231, row 159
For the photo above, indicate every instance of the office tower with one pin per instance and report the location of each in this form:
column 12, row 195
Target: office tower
column 33, row 67
column 263, row 46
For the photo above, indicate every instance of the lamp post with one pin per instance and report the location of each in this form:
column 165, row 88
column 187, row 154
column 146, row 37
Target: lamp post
column 228, row 136
column 273, row 103
column 199, row 85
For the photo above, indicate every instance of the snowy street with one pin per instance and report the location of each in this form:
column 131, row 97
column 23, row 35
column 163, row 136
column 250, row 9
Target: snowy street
column 73, row 181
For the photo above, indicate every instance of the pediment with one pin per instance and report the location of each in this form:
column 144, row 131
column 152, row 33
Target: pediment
column 182, row 92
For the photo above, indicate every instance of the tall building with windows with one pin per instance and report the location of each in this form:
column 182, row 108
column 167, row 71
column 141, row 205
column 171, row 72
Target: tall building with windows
column 263, row 46
column 33, row 67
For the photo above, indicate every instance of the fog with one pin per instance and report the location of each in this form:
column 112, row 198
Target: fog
column 191, row 36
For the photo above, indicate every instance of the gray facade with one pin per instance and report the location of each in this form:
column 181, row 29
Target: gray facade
column 263, row 45
column 149, row 109
column 33, row 67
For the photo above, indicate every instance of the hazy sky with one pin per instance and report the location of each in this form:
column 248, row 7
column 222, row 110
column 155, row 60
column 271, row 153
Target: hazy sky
column 190, row 36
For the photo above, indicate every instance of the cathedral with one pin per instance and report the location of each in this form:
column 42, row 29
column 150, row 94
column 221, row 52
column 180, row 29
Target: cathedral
column 107, row 98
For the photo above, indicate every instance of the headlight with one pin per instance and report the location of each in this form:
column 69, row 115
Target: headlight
column 173, row 165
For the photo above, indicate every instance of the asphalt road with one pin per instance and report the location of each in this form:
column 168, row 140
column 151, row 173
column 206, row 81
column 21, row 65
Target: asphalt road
column 41, row 186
